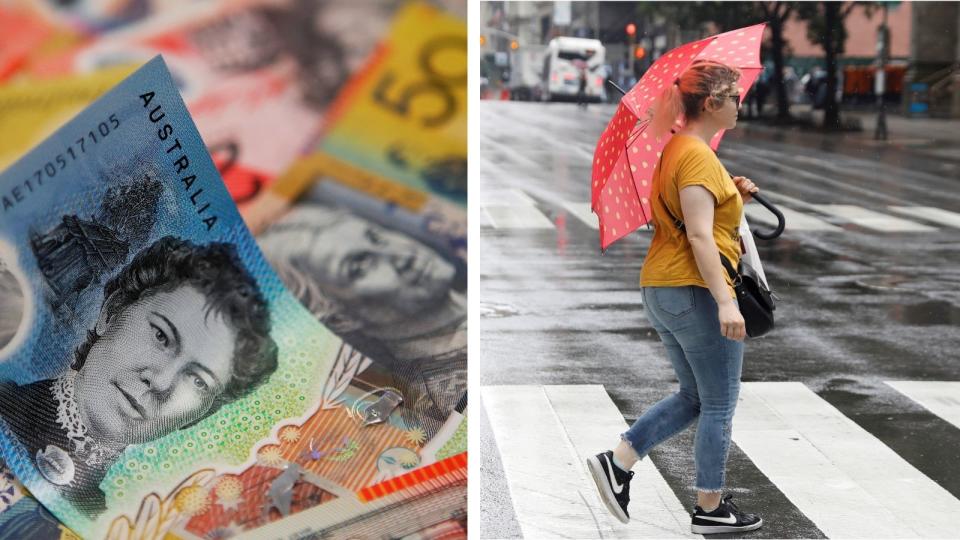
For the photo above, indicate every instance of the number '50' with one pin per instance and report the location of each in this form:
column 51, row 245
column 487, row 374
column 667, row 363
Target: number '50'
column 435, row 82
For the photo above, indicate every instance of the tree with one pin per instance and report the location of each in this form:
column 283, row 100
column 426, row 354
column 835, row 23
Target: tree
column 776, row 15
column 825, row 27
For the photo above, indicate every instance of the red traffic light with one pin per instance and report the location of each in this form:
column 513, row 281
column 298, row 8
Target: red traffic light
column 631, row 29
column 639, row 52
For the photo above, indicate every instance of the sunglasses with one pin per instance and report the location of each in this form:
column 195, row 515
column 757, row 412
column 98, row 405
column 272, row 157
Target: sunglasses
column 735, row 98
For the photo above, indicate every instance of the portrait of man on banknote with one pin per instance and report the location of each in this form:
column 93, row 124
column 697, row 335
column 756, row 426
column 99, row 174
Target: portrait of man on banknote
column 385, row 292
column 182, row 330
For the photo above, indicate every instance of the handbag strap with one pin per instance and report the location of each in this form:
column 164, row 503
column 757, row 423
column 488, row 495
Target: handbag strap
column 678, row 223
column 683, row 228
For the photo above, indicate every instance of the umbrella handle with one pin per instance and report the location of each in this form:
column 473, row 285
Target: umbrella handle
column 781, row 221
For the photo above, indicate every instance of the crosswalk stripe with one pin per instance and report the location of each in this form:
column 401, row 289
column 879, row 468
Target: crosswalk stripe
column 839, row 475
column 929, row 213
column 485, row 220
column 547, row 483
column 544, row 433
column 517, row 217
column 942, row 398
column 517, row 197
column 870, row 219
column 593, row 423
column 795, row 221
column 582, row 212
column 517, row 210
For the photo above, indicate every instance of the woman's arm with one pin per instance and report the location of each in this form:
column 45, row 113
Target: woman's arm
column 696, row 203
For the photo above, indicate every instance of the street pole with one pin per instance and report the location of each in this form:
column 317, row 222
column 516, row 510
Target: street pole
column 883, row 46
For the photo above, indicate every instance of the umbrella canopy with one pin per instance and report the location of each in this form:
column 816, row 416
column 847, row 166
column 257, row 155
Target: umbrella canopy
column 626, row 155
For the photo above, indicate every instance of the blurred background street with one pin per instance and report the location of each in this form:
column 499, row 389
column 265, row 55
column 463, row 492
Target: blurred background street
column 849, row 409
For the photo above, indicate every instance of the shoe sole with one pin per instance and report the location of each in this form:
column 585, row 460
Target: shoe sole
column 714, row 529
column 606, row 494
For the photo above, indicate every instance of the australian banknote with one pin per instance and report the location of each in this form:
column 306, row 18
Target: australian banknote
column 22, row 516
column 385, row 267
column 160, row 379
column 414, row 90
column 95, row 17
column 247, row 68
column 30, row 40
column 360, row 250
column 32, row 110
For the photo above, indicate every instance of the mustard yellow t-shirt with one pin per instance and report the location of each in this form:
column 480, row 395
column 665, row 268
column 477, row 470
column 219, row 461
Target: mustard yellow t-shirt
column 688, row 161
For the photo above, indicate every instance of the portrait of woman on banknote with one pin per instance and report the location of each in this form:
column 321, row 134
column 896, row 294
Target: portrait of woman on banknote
column 386, row 293
column 11, row 303
column 182, row 330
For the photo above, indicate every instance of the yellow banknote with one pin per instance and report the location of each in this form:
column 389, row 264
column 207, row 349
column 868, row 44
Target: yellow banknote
column 405, row 115
column 32, row 110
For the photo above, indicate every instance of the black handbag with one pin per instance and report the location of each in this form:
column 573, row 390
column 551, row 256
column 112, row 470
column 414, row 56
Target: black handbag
column 755, row 300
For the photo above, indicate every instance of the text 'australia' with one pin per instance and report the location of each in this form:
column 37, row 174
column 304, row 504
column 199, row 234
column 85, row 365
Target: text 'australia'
column 180, row 161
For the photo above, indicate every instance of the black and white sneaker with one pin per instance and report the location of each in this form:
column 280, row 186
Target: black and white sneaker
column 613, row 483
column 725, row 518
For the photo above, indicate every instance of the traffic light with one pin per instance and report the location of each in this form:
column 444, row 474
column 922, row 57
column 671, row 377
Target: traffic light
column 631, row 29
column 514, row 45
column 483, row 40
column 639, row 52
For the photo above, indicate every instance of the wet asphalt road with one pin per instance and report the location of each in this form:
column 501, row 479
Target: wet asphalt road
column 857, row 307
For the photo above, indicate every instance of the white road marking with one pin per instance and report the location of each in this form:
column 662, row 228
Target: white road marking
column 517, row 210
column 840, row 476
column 514, row 209
column 593, row 423
column 485, row 221
column 516, row 217
column 942, row 398
column 544, row 434
column 582, row 212
column 794, row 202
column 517, row 197
column 795, row 221
column 820, row 162
column 929, row 213
column 507, row 197
column 870, row 219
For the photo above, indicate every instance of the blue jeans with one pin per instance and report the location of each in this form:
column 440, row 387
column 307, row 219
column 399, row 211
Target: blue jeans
column 708, row 367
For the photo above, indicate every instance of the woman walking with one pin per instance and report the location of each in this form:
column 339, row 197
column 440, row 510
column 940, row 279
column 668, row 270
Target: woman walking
column 689, row 297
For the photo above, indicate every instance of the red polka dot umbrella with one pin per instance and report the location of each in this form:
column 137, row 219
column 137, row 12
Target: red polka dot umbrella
column 626, row 155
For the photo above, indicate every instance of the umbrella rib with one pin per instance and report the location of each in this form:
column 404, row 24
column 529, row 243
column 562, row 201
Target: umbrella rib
column 640, row 127
column 633, row 182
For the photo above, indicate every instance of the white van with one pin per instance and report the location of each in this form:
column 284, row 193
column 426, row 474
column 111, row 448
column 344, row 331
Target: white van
column 562, row 64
